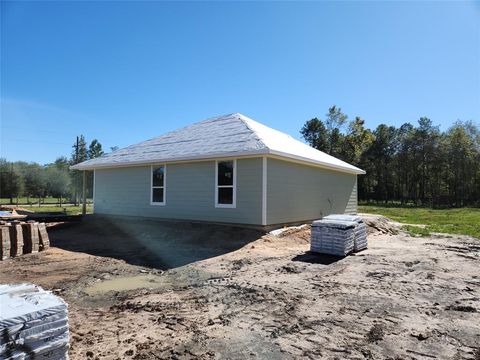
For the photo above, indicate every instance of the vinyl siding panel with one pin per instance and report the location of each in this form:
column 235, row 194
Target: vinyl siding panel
column 189, row 194
column 352, row 201
column 297, row 192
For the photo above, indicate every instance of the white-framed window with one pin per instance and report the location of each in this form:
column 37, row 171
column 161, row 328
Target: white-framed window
column 158, row 187
column 225, row 183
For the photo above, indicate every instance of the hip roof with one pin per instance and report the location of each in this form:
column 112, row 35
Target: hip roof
column 232, row 135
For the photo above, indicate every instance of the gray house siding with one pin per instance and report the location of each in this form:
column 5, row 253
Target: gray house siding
column 189, row 194
column 298, row 192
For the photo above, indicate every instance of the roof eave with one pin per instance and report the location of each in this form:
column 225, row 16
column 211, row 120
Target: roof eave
column 170, row 160
column 287, row 156
column 353, row 170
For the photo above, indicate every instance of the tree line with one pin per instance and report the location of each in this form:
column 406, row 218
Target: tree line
column 411, row 164
column 34, row 181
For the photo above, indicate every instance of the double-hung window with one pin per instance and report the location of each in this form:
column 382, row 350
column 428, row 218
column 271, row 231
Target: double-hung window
column 225, row 184
column 158, row 185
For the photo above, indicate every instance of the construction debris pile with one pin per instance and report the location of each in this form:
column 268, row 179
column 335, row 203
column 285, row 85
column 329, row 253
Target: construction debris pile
column 338, row 235
column 17, row 238
column 33, row 323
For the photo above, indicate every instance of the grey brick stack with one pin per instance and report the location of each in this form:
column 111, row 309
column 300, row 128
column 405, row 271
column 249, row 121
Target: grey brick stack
column 44, row 241
column 16, row 239
column 31, row 237
column 4, row 242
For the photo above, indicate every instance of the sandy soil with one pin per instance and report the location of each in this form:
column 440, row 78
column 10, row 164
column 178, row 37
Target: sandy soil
column 402, row 298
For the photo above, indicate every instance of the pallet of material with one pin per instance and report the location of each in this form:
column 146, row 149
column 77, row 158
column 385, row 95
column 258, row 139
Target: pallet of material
column 5, row 242
column 17, row 238
column 31, row 241
column 333, row 237
column 360, row 241
column 33, row 323
column 44, row 241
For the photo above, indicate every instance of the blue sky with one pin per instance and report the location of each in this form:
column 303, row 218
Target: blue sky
column 123, row 72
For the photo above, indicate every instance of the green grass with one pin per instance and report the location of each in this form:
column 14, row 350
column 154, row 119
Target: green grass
column 70, row 210
column 464, row 221
column 25, row 201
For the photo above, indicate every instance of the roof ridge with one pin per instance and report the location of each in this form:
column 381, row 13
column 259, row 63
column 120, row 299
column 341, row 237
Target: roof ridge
column 245, row 120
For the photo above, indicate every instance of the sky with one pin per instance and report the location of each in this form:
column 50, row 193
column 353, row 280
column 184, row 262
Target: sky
column 123, row 72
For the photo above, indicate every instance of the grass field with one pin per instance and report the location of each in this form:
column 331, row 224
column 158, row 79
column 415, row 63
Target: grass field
column 24, row 201
column 464, row 221
column 70, row 210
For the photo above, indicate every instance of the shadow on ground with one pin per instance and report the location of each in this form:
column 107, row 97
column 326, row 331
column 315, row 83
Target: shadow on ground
column 151, row 243
column 317, row 258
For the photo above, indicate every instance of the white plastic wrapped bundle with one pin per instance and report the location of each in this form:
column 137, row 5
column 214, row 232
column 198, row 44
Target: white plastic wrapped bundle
column 333, row 237
column 360, row 241
column 33, row 323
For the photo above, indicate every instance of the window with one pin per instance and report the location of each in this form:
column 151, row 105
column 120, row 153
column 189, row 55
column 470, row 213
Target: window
column 158, row 185
column 225, row 184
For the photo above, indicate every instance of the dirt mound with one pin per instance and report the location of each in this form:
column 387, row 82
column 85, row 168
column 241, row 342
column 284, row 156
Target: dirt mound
column 378, row 224
column 299, row 232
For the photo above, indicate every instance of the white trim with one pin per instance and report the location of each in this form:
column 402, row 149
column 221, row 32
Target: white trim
column 307, row 161
column 180, row 159
column 264, row 190
column 93, row 193
column 164, row 187
column 250, row 154
column 234, row 186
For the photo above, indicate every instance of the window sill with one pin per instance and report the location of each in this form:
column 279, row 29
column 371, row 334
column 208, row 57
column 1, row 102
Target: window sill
column 225, row 206
column 157, row 204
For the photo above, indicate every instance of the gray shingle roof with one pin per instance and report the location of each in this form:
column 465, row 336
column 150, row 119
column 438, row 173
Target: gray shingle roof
column 232, row 135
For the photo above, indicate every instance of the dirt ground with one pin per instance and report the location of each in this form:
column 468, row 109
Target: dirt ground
column 214, row 292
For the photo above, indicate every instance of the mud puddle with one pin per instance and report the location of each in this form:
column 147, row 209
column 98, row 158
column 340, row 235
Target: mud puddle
column 143, row 281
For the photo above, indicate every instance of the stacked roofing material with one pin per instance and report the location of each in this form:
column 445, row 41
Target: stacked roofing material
column 17, row 238
column 333, row 237
column 361, row 241
column 33, row 324
column 338, row 235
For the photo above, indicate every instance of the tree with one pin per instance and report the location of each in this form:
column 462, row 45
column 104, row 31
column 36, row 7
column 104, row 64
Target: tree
column 11, row 183
column 57, row 181
column 357, row 141
column 335, row 120
column 315, row 133
column 95, row 149
column 380, row 155
column 62, row 163
column 426, row 137
column 34, row 179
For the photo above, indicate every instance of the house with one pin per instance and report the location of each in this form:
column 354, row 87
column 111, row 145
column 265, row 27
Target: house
column 228, row 169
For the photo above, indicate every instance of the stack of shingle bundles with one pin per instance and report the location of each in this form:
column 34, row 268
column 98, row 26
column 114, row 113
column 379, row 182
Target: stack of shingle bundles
column 5, row 245
column 31, row 237
column 33, row 324
column 16, row 238
column 361, row 241
column 333, row 237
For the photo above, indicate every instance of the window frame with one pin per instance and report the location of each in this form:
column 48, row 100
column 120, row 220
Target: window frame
column 233, row 205
column 164, row 187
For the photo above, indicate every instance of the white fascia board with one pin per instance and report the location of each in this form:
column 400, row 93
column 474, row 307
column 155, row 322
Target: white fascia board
column 263, row 152
column 287, row 156
column 222, row 156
